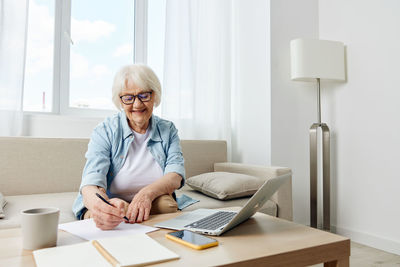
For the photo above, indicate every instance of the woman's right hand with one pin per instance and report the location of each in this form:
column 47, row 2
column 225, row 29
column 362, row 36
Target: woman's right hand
column 108, row 217
column 105, row 216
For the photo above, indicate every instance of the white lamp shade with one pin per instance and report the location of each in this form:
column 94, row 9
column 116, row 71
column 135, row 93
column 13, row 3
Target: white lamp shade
column 312, row 58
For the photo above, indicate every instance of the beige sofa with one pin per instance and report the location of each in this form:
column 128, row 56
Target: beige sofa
column 39, row 172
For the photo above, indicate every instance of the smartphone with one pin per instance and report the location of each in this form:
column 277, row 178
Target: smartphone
column 191, row 239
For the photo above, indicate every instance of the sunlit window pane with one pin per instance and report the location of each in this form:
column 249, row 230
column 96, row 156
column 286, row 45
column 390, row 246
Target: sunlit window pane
column 102, row 33
column 38, row 83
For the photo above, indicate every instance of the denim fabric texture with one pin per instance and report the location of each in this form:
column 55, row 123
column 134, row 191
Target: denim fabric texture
column 108, row 148
column 185, row 201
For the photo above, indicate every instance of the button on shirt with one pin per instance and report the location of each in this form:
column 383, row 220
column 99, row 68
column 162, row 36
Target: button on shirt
column 108, row 149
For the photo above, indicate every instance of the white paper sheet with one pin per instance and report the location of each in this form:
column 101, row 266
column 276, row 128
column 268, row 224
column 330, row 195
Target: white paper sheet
column 87, row 229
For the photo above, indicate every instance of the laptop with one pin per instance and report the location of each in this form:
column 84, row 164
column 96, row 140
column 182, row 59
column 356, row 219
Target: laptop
column 217, row 222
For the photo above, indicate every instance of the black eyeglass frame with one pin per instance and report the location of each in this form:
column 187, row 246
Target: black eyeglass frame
column 136, row 96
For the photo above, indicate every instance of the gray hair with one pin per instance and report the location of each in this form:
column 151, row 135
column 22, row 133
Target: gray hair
column 142, row 75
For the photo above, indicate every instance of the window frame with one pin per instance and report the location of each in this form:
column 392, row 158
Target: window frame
column 61, row 59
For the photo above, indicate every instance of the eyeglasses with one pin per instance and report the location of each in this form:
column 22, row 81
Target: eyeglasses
column 130, row 99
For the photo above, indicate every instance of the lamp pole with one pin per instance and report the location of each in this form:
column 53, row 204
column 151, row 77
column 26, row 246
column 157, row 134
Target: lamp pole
column 319, row 100
column 314, row 169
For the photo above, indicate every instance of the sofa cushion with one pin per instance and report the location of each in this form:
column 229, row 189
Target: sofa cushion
column 225, row 185
column 206, row 202
column 15, row 204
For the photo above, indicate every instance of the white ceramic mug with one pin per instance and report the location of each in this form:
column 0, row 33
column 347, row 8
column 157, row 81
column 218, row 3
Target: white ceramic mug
column 39, row 228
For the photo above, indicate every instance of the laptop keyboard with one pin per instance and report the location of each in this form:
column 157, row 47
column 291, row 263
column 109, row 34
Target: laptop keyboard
column 214, row 221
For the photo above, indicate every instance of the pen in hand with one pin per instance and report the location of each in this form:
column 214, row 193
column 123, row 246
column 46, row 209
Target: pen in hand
column 105, row 201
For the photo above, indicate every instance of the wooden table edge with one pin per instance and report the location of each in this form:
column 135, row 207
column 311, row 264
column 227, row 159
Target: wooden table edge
column 323, row 254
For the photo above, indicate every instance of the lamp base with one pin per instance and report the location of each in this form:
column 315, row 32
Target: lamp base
column 325, row 175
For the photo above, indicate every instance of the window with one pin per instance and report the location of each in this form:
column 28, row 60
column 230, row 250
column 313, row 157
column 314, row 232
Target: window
column 102, row 42
column 74, row 48
column 38, row 83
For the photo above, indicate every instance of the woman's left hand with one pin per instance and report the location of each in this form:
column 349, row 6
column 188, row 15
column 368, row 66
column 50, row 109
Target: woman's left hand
column 139, row 208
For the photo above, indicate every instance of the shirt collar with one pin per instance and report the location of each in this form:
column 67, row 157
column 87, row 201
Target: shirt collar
column 125, row 126
column 154, row 133
column 127, row 131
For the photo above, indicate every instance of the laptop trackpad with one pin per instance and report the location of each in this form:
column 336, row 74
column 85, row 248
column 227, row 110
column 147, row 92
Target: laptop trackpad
column 179, row 222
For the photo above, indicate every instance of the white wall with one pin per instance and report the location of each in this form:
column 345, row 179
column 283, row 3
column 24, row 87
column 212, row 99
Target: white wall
column 293, row 104
column 364, row 114
column 42, row 125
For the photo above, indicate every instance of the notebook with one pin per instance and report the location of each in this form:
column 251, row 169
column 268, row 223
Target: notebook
column 217, row 222
column 130, row 250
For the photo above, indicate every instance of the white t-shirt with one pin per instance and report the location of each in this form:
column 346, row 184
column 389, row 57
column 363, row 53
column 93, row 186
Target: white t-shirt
column 139, row 170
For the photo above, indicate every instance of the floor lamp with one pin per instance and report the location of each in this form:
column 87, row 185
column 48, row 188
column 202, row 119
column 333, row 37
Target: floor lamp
column 314, row 60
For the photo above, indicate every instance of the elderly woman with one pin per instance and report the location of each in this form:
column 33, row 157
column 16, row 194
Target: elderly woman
column 134, row 158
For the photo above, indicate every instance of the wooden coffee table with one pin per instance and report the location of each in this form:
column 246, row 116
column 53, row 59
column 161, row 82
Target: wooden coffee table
column 262, row 240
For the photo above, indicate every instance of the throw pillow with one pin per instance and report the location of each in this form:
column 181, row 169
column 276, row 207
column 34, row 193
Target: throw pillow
column 225, row 185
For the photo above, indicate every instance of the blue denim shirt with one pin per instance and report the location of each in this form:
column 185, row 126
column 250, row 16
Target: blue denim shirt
column 108, row 148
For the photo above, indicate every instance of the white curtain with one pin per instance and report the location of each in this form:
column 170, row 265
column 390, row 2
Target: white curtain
column 197, row 68
column 13, row 29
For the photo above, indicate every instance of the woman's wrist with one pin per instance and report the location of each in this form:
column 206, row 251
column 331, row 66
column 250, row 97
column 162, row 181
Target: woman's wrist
column 89, row 195
column 149, row 192
column 161, row 187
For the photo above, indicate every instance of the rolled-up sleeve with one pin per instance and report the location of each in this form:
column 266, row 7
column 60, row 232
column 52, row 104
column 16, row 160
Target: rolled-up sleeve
column 175, row 161
column 98, row 159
